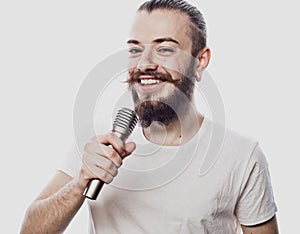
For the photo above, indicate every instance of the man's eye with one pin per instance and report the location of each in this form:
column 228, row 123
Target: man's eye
column 134, row 51
column 165, row 50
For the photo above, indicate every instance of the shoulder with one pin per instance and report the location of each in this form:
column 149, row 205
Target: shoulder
column 239, row 143
column 232, row 140
column 241, row 154
column 235, row 147
column 247, row 148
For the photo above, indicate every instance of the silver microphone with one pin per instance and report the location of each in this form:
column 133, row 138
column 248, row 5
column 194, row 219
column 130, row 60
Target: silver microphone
column 123, row 126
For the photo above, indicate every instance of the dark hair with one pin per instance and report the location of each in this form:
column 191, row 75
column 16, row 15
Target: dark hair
column 197, row 27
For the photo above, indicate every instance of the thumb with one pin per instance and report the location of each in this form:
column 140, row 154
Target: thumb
column 129, row 148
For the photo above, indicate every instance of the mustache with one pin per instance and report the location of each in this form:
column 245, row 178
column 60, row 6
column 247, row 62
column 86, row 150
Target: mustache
column 165, row 77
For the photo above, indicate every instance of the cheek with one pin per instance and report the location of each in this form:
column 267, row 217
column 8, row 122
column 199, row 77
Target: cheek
column 176, row 68
column 131, row 71
column 175, row 74
column 171, row 65
column 167, row 91
column 132, row 63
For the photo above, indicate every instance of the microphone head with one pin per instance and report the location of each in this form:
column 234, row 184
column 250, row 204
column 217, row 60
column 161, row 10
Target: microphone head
column 124, row 123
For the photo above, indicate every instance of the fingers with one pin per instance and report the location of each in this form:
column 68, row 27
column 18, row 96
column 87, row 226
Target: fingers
column 129, row 148
column 104, row 151
column 103, row 156
column 100, row 167
column 88, row 173
column 114, row 141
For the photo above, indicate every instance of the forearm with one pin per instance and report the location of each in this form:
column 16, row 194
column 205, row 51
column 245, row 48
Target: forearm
column 54, row 213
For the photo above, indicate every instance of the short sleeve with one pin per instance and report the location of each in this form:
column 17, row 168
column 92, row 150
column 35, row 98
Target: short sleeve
column 72, row 162
column 256, row 202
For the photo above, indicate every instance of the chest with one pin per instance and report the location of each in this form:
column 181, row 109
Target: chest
column 197, row 201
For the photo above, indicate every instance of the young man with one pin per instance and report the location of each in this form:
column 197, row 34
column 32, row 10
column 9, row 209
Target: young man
column 168, row 54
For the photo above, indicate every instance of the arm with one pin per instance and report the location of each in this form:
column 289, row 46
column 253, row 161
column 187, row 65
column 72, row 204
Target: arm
column 55, row 207
column 256, row 202
column 268, row 227
column 57, row 204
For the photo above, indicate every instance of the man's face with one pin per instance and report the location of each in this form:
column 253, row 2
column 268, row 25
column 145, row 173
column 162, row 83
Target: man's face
column 160, row 65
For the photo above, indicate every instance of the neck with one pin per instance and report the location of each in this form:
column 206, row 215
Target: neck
column 177, row 132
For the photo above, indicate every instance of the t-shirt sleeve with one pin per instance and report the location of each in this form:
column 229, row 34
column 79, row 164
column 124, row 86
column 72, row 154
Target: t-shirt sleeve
column 256, row 202
column 72, row 161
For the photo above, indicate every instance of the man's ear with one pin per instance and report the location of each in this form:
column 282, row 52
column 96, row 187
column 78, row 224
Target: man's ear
column 202, row 62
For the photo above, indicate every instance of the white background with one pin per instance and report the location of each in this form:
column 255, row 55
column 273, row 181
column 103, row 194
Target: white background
column 48, row 47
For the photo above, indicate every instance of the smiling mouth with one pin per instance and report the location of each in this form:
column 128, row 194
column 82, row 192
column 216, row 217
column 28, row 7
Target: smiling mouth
column 150, row 80
column 145, row 82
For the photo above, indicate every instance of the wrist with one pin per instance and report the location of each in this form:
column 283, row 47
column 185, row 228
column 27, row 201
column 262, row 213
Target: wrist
column 81, row 183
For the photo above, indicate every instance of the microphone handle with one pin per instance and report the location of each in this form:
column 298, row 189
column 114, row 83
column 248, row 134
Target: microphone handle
column 95, row 185
column 93, row 189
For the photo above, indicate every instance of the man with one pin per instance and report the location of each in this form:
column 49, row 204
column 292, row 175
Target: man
column 168, row 54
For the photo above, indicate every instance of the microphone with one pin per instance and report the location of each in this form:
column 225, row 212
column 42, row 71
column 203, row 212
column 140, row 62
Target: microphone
column 123, row 126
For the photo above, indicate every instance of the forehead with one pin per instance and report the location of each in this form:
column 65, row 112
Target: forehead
column 160, row 24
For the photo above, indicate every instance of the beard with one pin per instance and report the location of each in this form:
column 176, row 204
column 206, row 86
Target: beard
column 163, row 110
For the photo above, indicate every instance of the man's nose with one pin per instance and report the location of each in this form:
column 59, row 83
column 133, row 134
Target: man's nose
column 146, row 61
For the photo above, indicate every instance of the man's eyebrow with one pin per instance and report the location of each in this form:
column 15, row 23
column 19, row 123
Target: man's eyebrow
column 132, row 41
column 157, row 41
column 160, row 40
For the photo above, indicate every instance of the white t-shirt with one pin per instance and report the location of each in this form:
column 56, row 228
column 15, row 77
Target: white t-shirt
column 203, row 186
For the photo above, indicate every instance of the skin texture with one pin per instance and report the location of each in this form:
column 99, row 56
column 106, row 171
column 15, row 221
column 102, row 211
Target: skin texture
column 54, row 208
column 52, row 211
column 152, row 37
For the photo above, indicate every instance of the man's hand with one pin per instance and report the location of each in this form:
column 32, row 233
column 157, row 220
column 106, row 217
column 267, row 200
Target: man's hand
column 102, row 157
column 63, row 194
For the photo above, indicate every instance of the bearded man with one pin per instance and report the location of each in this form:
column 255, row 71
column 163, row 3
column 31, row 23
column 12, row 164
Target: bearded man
column 167, row 55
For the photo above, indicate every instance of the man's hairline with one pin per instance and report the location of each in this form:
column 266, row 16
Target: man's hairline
column 192, row 25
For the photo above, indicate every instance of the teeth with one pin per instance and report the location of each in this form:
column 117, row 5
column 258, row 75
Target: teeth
column 149, row 81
